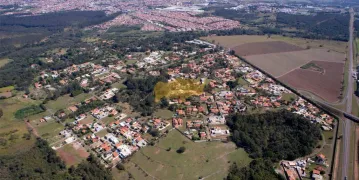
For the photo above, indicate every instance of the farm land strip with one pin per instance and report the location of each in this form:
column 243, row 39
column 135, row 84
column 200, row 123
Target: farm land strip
column 278, row 64
column 258, row 48
column 236, row 40
column 327, row 85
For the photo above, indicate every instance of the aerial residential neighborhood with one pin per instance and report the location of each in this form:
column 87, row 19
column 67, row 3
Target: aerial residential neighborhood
column 179, row 89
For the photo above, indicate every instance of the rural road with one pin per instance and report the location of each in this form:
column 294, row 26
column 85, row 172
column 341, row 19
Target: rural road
column 350, row 91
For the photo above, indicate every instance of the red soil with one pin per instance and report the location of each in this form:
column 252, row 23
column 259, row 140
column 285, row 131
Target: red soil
column 327, row 85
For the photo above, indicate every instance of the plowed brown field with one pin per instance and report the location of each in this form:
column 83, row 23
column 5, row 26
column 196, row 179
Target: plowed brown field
column 326, row 85
column 265, row 48
column 278, row 64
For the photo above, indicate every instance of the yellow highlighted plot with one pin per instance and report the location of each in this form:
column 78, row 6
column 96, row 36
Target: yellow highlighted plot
column 179, row 88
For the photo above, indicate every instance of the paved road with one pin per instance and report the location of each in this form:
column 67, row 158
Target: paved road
column 350, row 91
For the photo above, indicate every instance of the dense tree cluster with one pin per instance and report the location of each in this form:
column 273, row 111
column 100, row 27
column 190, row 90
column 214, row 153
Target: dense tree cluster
column 28, row 111
column 274, row 135
column 321, row 26
column 139, row 93
column 258, row 169
column 269, row 138
column 41, row 162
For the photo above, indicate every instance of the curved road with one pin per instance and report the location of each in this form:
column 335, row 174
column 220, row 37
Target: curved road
column 350, row 91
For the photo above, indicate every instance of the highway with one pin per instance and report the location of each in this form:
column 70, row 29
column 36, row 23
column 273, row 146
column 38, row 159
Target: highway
column 349, row 96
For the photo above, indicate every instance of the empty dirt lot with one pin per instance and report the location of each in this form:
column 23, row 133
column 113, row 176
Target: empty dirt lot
column 278, row 64
column 265, row 48
column 326, row 85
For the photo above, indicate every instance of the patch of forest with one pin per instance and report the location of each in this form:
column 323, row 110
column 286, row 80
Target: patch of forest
column 320, row 26
column 139, row 93
column 18, row 30
column 269, row 138
column 41, row 162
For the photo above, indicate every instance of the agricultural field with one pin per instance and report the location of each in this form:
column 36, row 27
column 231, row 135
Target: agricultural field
column 206, row 159
column 278, row 64
column 313, row 66
column 337, row 46
column 265, row 48
column 233, row 41
column 326, row 84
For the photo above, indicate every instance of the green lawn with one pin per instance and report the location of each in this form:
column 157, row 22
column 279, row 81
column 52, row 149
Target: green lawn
column 242, row 82
column 64, row 102
column 288, row 96
column 6, row 89
column 50, row 130
column 9, row 125
column 118, row 85
column 204, row 159
column 164, row 113
column 130, row 62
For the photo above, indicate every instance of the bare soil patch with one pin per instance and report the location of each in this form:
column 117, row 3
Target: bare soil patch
column 72, row 154
column 68, row 158
column 278, row 64
column 326, row 85
column 6, row 94
column 265, row 48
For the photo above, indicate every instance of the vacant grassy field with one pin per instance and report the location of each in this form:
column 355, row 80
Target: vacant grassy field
column 118, row 85
column 337, row 46
column 90, row 39
column 163, row 113
column 257, row 48
column 11, row 129
column 4, row 61
column 65, row 101
column 288, row 96
column 50, row 131
column 58, row 51
column 206, row 159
